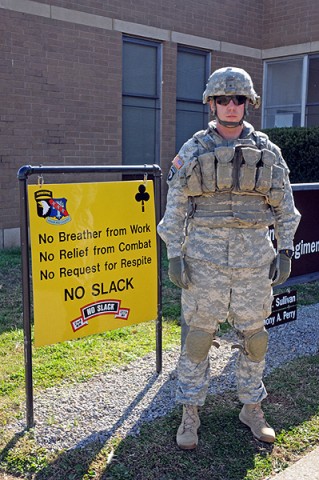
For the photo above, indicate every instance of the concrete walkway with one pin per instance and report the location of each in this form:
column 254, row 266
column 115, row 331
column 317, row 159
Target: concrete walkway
column 307, row 468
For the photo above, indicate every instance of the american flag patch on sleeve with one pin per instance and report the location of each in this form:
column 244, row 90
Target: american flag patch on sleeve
column 178, row 162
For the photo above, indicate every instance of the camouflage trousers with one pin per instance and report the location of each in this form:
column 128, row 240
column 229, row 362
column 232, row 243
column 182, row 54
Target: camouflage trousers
column 216, row 294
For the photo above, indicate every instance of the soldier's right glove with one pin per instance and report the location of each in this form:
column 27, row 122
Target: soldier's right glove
column 280, row 269
column 177, row 272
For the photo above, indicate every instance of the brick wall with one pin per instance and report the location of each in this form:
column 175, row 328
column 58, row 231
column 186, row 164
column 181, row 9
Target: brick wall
column 168, row 123
column 229, row 21
column 289, row 22
column 60, row 98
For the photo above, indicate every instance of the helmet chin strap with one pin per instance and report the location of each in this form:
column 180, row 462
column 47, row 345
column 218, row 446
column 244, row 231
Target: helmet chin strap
column 230, row 124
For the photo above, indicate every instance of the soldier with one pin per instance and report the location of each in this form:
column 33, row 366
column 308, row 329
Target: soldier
column 227, row 185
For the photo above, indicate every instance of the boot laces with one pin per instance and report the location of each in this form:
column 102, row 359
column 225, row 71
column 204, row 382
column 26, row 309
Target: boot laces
column 190, row 418
column 258, row 414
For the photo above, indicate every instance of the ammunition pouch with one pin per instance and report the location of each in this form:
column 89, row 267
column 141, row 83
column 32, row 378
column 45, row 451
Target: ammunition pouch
column 242, row 169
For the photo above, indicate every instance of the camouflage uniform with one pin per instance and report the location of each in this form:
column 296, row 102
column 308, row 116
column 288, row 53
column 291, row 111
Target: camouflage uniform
column 223, row 195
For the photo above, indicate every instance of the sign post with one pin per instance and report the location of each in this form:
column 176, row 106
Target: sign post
column 95, row 257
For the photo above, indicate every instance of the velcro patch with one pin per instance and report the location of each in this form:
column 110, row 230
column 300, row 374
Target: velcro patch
column 178, row 162
column 171, row 173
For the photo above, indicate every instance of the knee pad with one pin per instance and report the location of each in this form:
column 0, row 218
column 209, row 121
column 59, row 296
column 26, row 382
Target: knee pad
column 198, row 343
column 256, row 345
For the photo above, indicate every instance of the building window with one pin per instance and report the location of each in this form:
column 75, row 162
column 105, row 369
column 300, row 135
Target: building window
column 141, row 101
column 312, row 107
column 283, row 94
column 291, row 92
column 192, row 74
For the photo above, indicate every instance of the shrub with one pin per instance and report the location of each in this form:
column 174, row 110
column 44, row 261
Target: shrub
column 300, row 149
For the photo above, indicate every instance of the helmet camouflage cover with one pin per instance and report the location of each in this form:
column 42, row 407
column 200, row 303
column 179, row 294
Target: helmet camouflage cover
column 231, row 81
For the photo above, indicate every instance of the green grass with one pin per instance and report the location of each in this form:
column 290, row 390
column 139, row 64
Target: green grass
column 307, row 293
column 71, row 361
column 227, row 451
column 77, row 361
column 10, row 290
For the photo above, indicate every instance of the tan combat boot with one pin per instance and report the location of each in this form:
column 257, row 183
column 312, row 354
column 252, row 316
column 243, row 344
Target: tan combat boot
column 186, row 436
column 253, row 416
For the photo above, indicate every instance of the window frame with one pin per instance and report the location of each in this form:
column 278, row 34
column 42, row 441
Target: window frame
column 157, row 98
column 195, row 100
column 304, row 85
column 309, row 57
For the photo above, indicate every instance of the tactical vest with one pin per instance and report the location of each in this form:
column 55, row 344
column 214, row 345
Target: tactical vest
column 240, row 169
column 232, row 186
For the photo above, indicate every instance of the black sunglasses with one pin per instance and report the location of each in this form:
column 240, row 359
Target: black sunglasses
column 225, row 99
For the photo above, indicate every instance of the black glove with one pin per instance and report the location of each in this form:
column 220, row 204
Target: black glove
column 177, row 274
column 280, row 269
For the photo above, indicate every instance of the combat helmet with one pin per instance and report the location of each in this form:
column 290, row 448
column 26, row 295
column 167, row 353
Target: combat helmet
column 231, row 81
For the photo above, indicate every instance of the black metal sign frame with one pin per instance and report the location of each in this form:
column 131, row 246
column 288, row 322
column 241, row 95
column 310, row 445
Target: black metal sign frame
column 284, row 309
column 23, row 174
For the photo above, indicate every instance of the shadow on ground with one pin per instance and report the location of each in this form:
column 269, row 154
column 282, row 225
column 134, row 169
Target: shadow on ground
column 226, row 451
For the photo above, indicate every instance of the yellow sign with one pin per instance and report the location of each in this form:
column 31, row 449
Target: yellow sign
column 94, row 260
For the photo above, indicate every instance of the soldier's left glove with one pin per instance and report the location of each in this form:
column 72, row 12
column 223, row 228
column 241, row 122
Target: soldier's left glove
column 178, row 272
column 281, row 267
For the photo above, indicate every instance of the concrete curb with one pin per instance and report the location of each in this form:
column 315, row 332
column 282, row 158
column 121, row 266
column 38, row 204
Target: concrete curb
column 307, row 468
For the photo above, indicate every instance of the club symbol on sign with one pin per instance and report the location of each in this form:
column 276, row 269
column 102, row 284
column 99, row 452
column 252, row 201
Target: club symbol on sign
column 142, row 196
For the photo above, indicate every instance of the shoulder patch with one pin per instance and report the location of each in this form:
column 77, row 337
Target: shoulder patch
column 171, row 173
column 178, row 162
